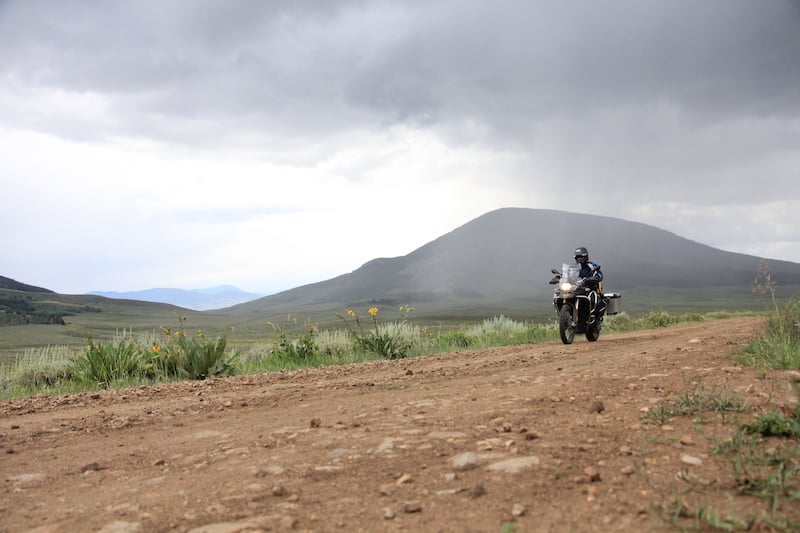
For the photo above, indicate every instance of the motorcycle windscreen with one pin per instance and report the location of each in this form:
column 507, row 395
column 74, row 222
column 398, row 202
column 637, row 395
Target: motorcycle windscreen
column 570, row 272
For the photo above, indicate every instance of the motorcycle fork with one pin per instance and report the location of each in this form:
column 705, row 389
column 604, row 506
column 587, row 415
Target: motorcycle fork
column 574, row 322
column 575, row 312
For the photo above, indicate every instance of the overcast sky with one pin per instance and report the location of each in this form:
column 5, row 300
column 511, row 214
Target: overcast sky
column 266, row 144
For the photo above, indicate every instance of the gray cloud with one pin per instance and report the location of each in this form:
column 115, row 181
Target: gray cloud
column 676, row 112
column 291, row 68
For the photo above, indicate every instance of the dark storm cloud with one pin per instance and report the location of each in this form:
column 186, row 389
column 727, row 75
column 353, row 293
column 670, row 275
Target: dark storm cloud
column 306, row 68
column 512, row 63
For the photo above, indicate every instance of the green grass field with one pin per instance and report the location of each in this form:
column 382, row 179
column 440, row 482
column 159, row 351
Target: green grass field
column 101, row 318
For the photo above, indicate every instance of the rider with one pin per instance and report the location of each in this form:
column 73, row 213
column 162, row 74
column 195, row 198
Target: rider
column 590, row 272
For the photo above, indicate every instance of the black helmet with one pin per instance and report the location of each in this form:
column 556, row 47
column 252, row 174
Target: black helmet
column 581, row 253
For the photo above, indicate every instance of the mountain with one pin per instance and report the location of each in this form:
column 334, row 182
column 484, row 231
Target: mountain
column 197, row 299
column 503, row 258
column 8, row 283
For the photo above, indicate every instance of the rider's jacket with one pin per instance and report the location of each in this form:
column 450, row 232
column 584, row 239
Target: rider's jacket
column 586, row 271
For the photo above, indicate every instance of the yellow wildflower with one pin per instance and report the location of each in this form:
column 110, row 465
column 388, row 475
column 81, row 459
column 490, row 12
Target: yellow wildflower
column 372, row 311
column 351, row 312
column 156, row 348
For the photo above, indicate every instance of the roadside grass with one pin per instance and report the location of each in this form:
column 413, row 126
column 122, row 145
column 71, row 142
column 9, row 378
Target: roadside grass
column 170, row 354
column 779, row 347
column 99, row 318
column 763, row 456
column 763, row 461
column 128, row 359
column 660, row 318
column 38, row 369
column 696, row 401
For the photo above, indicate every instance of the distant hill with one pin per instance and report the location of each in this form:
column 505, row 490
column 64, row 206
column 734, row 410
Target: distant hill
column 505, row 256
column 197, row 299
column 17, row 309
column 8, row 283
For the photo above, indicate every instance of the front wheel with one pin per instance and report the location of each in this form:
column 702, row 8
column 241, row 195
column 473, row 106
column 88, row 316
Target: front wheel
column 565, row 325
column 593, row 333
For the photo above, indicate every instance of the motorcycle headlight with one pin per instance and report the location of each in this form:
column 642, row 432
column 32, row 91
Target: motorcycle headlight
column 566, row 286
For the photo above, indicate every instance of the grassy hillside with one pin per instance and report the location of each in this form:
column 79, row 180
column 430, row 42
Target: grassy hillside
column 8, row 283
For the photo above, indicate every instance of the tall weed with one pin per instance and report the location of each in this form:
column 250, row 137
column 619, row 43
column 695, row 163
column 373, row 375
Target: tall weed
column 199, row 358
column 180, row 355
column 295, row 353
column 103, row 364
column 40, row 368
column 335, row 342
column 780, row 346
column 390, row 341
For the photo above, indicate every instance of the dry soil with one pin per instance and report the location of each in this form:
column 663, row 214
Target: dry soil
column 542, row 437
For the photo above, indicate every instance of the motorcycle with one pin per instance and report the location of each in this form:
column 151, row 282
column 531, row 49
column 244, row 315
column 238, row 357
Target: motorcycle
column 571, row 300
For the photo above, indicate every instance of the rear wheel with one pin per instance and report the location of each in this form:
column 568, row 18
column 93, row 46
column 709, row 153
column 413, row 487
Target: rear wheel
column 565, row 327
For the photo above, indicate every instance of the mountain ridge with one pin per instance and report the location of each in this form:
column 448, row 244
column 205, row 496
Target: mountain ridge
column 507, row 254
column 220, row 296
column 14, row 285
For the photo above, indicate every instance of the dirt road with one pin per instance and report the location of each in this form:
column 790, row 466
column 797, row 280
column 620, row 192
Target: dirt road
column 531, row 438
